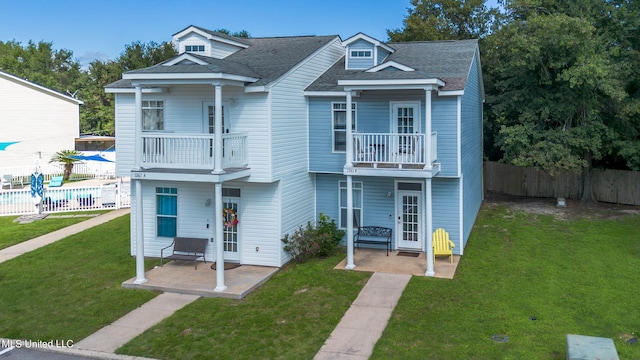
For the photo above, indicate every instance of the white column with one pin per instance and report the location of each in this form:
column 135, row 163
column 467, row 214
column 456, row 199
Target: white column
column 349, row 144
column 217, row 164
column 427, row 130
column 350, row 264
column 429, row 209
column 140, row 279
column 137, row 157
column 219, row 240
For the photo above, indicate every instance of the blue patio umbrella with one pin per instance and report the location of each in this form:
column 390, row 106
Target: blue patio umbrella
column 90, row 158
column 5, row 145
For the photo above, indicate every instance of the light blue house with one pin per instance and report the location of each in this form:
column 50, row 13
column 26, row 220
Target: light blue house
column 408, row 156
column 256, row 129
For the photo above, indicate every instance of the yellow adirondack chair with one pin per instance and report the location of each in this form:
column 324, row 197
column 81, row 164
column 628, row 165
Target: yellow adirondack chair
column 442, row 245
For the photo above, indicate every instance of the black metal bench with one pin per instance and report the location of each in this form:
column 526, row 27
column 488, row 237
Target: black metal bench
column 186, row 248
column 373, row 235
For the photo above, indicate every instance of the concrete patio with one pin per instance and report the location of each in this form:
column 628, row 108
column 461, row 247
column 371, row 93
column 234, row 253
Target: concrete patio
column 181, row 277
column 374, row 260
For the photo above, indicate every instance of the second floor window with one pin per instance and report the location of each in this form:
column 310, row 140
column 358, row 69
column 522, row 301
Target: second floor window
column 152, row 115
column 340, row 125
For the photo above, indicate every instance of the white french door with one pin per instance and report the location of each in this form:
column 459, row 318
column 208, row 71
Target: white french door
column 409, row 216
column 231, row 223
column 405, row 121
column 208, row 112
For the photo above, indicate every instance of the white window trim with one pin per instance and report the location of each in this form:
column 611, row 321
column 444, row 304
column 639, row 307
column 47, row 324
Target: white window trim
column 164, row 118
column 352, row 51
column 340, row 188
column 156, row 215
column 195, row 51
column 333, row 130
column 392, row 115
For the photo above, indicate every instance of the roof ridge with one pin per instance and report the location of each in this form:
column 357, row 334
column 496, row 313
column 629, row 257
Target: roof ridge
column 432, row 41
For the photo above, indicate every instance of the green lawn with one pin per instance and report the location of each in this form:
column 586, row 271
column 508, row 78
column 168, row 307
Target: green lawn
column 530, row 277
column 572, row 277
column 71, row 288
column 12, row 233
column 289, row 317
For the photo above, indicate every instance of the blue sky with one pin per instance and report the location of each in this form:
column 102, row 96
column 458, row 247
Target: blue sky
column 101, row 29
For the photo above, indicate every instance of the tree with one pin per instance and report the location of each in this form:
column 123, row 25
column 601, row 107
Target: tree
column 446, row 20
column 240, row 34
column 65, row 157
column 139, row 55
column 554, row 87
column 97, row 114
column 41, row 64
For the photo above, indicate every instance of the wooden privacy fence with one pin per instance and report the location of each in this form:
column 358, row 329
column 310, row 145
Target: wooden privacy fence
column 612, row 186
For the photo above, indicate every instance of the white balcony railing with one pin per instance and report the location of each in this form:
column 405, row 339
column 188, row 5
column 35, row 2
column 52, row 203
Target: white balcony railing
column 192, row 151
column 397, row 149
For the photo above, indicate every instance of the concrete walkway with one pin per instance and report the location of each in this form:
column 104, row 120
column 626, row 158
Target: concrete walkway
column 363, row 324
column 111, row 337
column 26, row 246
column 354, row 337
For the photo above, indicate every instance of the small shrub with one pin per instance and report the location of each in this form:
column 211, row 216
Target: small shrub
column 313, row 241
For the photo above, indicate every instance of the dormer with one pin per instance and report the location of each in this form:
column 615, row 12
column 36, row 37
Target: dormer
column 196, row 40
column 364, row 52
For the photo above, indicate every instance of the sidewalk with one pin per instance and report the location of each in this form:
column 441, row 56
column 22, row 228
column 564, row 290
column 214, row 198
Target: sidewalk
column 26, row 246
column 353, row 338
column 120, row 332
column 363, row 324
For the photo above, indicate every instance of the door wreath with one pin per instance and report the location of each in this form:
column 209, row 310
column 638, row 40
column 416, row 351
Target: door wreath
column 230, row 217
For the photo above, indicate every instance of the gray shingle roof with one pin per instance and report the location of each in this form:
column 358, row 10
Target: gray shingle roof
column 266, row 59
column 449, row 61
column 213, row 66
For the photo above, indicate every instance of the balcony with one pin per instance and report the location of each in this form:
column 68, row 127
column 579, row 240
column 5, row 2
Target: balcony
column 171, row 153
column 396, row 152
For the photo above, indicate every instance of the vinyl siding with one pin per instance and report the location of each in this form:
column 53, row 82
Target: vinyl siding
column 289, row 129
column 358, row 63
column 373, row 115
column 212, row 48
column 382, row 54
column 258, row 217
column 259, row 223
column 446, row 208
column 183, row 113
column 125, row 134
column 39, row 120
column 471, row 148
column 444, row 116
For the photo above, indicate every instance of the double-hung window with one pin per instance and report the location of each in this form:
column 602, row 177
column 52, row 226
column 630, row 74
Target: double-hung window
column 152, row 115
column 357, row 203
column 340, row 125
column 166, row 211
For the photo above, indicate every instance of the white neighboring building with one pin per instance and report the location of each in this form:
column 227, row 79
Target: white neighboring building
column 39, row 120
